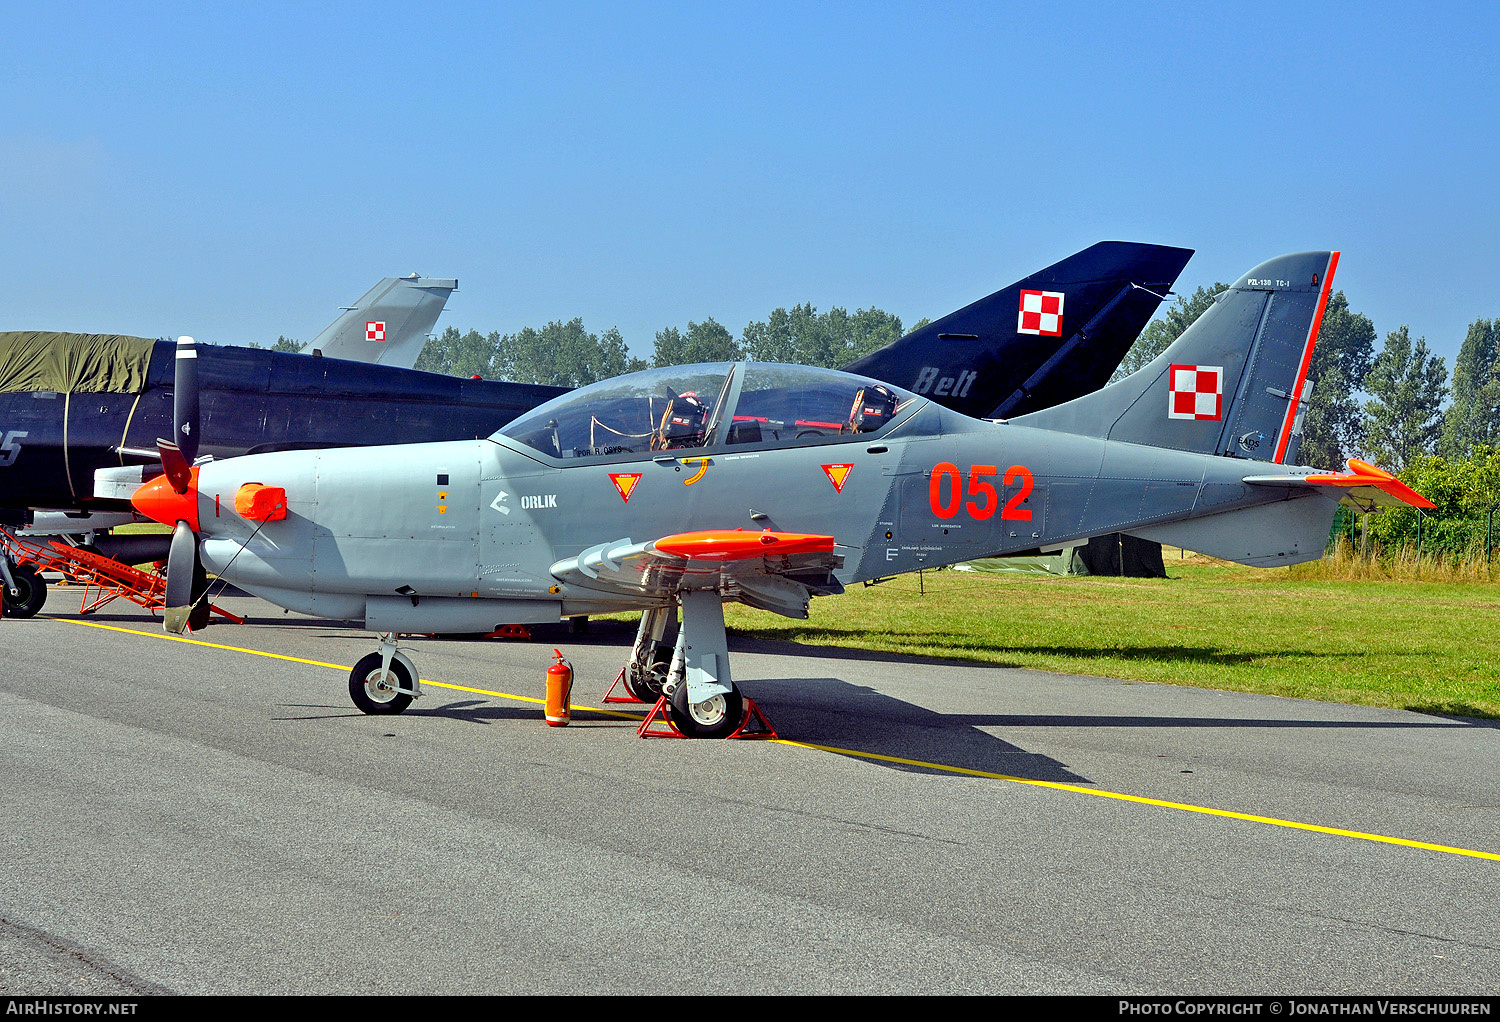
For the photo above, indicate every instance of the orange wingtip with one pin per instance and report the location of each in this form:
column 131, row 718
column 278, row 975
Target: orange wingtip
column 258, row 502
column 724, row 545
column 1364, row 474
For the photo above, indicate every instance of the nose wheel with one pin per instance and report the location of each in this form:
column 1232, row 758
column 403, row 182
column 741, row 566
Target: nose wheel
column 384, row 682
column 376, row 690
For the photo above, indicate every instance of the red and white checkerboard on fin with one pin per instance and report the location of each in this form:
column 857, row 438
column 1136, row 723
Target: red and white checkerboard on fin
column 374, row 331
column 1041, row 313
column 1197, row 392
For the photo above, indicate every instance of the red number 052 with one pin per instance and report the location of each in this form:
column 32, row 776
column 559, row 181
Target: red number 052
column 947, row 477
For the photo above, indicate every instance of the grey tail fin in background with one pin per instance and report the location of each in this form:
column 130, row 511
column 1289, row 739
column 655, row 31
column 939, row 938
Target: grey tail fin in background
column 1235, row 383
column 390, row 324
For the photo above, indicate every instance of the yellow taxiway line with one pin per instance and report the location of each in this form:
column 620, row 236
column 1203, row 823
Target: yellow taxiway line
column 878, row 757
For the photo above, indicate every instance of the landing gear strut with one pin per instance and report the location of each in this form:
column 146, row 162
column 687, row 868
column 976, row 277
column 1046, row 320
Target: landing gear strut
column 703, row 700
column 646, row 673
column 385, row 681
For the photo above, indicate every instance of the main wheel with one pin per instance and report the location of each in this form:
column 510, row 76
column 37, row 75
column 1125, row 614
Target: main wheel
column 716, row 717
column 32, row 592
column 647, row 685
column 374, row 691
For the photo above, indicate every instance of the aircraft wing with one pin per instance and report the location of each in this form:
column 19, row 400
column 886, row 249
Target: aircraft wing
column 390, row 324
column 1365, row 484
column 775, row 571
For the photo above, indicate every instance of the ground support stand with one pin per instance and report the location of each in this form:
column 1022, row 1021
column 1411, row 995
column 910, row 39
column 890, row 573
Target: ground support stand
column 103, row 579
column 754, row 724
column 629, row 696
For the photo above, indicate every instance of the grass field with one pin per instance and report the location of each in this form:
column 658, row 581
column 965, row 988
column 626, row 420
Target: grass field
column 1415, row 645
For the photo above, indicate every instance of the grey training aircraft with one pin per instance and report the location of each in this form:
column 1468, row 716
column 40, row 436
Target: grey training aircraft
column 769, row 484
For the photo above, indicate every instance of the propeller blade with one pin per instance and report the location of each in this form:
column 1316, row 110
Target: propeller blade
column 182, row 567
column 185, row 399
column 176, row 465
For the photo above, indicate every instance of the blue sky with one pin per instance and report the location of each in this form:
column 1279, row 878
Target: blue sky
column 237, row 172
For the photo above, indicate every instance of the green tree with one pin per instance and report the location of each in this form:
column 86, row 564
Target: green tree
column 708, row 341
column 803, row 336
column 456, row 354
column 1474, row 416
column 1166, row 328
column 561, row 355
column 282, row 344
column 1463, row 489
column 1333, row 429
column 1403, row 418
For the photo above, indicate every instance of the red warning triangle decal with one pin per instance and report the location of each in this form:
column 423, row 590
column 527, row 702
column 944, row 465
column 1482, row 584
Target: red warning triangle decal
column 625, row 483
column 837, row 474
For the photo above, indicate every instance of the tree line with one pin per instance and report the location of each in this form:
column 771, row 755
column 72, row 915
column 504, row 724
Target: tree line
column 568, row 355
column 1386, row 406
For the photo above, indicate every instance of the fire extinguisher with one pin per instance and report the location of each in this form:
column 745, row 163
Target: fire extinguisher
column 559, row 689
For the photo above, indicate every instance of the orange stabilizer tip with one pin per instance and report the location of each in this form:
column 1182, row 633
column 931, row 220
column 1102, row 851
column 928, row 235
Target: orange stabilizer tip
column 1362, row 473
column 258, row 502
column 160, row 503
column 724, row 545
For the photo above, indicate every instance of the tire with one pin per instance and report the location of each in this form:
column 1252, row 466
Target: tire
column 647, row 686
column 33, row 593
column 365, row 690
column 718, row 717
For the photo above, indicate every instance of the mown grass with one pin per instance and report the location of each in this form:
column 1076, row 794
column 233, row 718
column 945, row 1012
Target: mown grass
column 1427, row 646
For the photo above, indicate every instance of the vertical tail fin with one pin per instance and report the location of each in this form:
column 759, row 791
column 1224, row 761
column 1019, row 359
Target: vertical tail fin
column 1055, row 335
column 1235, row 383
column 389, row 324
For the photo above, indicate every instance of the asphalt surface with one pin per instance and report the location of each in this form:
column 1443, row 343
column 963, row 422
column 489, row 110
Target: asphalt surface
column 183, row 818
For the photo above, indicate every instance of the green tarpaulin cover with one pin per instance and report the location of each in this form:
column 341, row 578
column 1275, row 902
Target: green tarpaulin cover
column 67, row 363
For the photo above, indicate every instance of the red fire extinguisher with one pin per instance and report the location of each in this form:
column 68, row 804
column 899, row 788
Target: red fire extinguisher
column 559, row 689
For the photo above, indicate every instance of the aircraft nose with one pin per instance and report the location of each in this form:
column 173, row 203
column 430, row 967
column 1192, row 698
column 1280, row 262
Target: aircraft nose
column 159, row 502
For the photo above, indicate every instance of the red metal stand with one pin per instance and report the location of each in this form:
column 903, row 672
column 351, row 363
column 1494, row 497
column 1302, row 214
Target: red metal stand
column 650, row 727
column 628, row 697
column 753, row 725
column 103, row 580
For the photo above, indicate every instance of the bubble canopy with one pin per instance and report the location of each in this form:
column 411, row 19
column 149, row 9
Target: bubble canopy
column 711, row 405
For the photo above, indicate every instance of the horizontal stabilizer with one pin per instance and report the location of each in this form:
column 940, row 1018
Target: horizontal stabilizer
column 1366, row 485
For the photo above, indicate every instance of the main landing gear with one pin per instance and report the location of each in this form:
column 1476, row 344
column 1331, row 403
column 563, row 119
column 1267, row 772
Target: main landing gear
column 385, row 681
column 702, row 699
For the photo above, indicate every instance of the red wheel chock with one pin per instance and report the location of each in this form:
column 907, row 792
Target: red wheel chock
column 628, row 697
column 510, row 632
column 651, row 726
column 753, row 725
